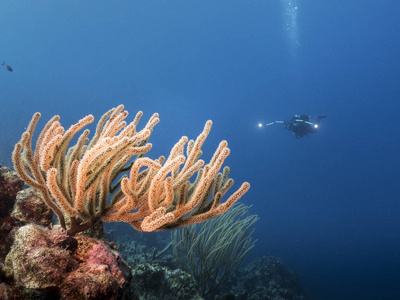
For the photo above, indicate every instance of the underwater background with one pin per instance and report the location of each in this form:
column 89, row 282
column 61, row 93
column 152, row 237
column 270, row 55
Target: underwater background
column 328, row 203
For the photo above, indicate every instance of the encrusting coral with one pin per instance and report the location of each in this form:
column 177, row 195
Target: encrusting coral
column 80, row 177
column 10, row 185
column 41, row 262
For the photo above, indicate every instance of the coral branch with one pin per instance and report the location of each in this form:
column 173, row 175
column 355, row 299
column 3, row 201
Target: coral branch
column 75, row 181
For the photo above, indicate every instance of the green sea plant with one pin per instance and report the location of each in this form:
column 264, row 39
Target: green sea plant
column 212, row 251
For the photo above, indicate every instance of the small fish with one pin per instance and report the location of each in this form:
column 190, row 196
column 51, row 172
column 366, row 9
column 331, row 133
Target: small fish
column 7, row 66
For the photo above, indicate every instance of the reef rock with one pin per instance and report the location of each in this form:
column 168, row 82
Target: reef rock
column 50, row 262
column 30, row 208
column 10, row 184
column 265, row 279
column 5, row 291
column 153, row 282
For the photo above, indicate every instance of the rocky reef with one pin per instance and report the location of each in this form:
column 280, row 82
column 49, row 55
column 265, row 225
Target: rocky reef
column 38, row 260
column 50, row 263
column 30, row 208
column 45, row 263
column 10, row 185
column 153, row 282
column 266, row 278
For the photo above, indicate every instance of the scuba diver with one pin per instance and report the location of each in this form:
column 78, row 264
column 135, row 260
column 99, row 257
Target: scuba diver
column 299, row 125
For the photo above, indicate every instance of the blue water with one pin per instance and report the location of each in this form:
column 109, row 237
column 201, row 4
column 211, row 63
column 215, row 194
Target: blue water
column 329, row 205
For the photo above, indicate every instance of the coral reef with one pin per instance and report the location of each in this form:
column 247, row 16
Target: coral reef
column 30, row 208
column 152, row 282
column 135, row 253
column 10, row 185
column 47, row 261
column 103, row 179
column 266, row 278
column 48, row 264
